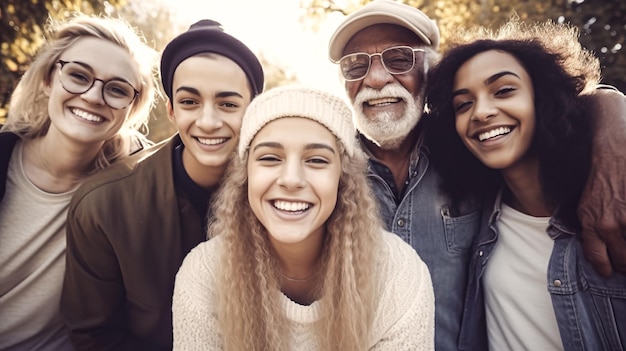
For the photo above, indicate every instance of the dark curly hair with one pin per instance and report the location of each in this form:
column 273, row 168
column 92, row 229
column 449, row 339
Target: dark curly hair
column 560, row 69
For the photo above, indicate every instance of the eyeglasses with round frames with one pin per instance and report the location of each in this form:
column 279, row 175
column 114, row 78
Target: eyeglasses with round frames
column 395, row 60
column 76, row 78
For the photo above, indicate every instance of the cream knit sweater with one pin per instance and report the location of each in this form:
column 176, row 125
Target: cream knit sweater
column 404, row 318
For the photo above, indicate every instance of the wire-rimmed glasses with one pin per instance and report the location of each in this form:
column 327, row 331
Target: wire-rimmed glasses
column 395, row 60
column 77, row 78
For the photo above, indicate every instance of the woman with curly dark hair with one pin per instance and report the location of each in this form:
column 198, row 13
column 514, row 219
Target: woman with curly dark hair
column 512, row 129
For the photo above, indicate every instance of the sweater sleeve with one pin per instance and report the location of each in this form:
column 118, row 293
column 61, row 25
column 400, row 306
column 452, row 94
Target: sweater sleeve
column 406, row 316
column 194, row 309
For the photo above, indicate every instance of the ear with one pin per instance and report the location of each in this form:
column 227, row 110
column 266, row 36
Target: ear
column 47, row 87
column 48, row 82
column 170, row 111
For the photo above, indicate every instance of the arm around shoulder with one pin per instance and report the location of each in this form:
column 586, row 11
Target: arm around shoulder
column 602, row 207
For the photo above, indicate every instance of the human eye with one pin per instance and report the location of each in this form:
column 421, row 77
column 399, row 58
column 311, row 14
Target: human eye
column 461, row 106
column 505, row 90
column 230, row 105
column 186, row 102
column 119, row 89
column 356, row 70
column 79, row 75
column 398, row 59
column 268, row 159
column 355, row 65
column 317, row 161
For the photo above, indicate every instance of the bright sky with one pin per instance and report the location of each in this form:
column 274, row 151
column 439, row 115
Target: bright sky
column 272, row 28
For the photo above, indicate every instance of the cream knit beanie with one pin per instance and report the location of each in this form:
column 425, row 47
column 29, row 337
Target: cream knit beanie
column 298, row 101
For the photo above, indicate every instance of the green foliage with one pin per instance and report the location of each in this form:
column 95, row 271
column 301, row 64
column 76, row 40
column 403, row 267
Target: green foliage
column 602, row 23
column 22, row 33
column 603, row 28
column 158, row 27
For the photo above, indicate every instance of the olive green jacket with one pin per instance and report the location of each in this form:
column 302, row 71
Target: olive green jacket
column 128, row 231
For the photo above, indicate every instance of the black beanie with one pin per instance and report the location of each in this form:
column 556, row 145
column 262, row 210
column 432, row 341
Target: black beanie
column 208, row 36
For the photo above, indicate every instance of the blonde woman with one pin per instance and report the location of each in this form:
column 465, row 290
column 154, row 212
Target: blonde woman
column 298, row 259
column 76, row 110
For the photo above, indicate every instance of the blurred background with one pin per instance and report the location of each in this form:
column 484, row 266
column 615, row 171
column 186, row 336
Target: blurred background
column 291, row 36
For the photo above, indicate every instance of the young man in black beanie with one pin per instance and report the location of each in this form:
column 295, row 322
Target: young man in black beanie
column 130, row 226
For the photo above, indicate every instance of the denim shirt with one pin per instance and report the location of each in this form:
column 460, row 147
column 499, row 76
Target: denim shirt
column 439, row 231
column 590, row 309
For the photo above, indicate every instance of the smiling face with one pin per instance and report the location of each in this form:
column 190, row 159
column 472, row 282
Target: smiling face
column 494, row 107
column 210, row 96
column 86, row 118
column 387, row 106
column 293, row 179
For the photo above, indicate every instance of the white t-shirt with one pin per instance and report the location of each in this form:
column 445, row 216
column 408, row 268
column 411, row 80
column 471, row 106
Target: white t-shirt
column 519, row 310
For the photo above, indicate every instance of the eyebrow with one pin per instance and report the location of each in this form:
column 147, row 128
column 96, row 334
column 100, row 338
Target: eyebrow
column 311, row 146
column 488, row 81
column 221, row 94
column 87, row 66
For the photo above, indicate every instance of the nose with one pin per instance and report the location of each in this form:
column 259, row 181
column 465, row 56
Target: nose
column 291, row 175
column 95, row 94
column 210, row 119
column 484, row 109
column 377, row 77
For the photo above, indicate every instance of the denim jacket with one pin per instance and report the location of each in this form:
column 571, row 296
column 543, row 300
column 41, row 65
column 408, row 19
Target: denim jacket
column 439, row 231
column 590, row 309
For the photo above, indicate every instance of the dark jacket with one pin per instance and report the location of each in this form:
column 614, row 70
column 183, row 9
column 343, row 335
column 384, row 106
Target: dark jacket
column 7, row 143
column 128, row 231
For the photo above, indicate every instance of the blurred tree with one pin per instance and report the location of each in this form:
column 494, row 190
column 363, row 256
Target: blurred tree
column 155, row 21
column 275, row 73
column 602, row 23
column 603, row 28
column 22, row 32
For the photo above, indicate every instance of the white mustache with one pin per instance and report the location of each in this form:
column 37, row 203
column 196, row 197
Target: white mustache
column 390, row 90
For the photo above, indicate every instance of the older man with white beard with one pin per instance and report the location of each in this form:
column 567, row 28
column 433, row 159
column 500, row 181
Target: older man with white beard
column 384, row 51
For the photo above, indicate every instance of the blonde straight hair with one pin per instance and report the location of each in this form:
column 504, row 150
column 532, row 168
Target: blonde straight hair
column 28, row 111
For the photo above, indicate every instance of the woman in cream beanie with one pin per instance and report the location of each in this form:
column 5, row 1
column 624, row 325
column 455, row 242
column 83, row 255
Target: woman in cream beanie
column 298, row 259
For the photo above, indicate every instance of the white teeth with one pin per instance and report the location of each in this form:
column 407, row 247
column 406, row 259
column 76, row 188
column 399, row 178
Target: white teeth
column 493, row 133
column 386, row 100
column 207, row 141
column 291, row 206
column 86, row 115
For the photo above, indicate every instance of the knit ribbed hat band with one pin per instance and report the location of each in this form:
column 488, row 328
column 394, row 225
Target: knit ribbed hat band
column 297, row 101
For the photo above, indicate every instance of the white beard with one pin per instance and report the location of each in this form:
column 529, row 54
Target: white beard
column 385, row 129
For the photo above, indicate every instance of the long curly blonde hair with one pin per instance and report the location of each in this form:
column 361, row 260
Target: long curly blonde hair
column 248, row 287
column 28, row 111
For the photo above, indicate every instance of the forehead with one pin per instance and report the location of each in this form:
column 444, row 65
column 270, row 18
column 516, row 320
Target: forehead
column 211, row 72
column 487, row 63
column 378, row 37
column 107, row 59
